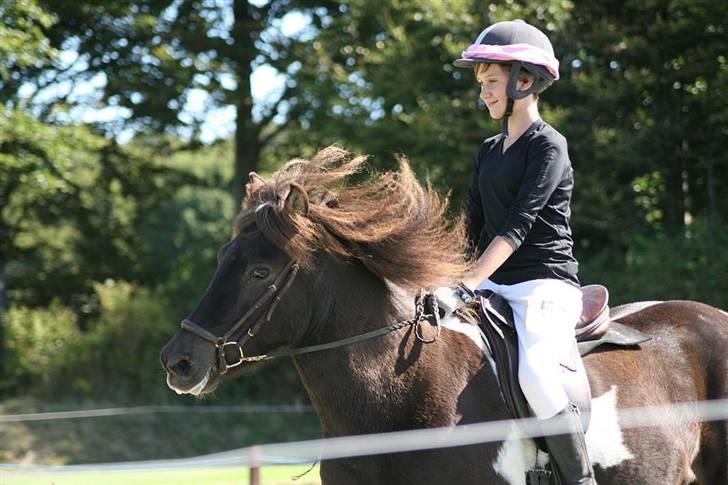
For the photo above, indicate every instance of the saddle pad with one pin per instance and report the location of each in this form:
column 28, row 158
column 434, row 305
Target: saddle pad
column 618, row 335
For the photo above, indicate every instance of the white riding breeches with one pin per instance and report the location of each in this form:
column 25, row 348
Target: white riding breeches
column 545, row 313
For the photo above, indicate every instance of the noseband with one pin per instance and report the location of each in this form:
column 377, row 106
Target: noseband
column 271, row 297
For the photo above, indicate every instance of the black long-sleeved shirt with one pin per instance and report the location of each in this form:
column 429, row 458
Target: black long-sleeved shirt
column 524, row 195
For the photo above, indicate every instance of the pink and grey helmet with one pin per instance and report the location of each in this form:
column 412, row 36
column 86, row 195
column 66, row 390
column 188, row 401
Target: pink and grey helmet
column 522, row 46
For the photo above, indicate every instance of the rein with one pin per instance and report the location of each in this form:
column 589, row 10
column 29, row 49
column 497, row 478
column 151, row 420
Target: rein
column 272, row 296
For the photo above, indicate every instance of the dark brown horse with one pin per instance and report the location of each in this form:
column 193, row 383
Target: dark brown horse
column 364, row 251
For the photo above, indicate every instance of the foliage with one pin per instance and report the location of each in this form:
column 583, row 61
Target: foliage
column 152, row 61
column 42, row 170
column 71, row 206
column 379, row 75
column 180, row 238
column 119, row 353
column 38, row 343
column 663, row 266
column 646, row 114
column 115, row 357
column 23, row 44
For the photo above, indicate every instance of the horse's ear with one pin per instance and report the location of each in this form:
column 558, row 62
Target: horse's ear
column 255, row 182
column 297, row 200
column 255, row 178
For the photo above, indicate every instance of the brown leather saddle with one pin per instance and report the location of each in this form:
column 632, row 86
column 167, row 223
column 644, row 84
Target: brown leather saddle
column 595, row 329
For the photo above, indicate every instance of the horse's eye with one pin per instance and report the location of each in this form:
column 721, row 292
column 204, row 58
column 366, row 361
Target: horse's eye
column 260, row 273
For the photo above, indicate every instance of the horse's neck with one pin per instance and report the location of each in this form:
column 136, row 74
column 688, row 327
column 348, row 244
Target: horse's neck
column 393, row 375
column 352, row 301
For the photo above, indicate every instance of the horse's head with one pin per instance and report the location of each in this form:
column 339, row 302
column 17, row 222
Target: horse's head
column 254, row 304
column 306, row 216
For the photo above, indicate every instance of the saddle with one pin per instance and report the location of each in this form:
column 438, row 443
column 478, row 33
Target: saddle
column 594, row 329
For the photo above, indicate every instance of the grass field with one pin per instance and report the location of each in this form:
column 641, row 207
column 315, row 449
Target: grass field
column 276, row 475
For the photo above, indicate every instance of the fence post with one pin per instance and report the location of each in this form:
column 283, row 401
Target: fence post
column 254, row 465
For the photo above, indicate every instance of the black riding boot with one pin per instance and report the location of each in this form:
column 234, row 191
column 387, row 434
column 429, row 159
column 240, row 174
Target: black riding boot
column 569, row 458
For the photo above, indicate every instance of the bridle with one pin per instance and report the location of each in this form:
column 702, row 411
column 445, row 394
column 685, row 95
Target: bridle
column 271, row 297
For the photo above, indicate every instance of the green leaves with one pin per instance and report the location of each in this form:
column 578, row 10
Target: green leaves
column 22, row 41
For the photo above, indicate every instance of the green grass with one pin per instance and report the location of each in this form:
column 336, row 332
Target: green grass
column 276, row 475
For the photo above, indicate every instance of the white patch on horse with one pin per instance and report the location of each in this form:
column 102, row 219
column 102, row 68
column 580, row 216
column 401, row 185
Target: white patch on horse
column 516, row 456
column 604, row 441
column 471, row 331
column 474, row 333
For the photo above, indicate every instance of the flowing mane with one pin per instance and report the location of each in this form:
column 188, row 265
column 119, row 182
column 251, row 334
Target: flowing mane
column 390, row 222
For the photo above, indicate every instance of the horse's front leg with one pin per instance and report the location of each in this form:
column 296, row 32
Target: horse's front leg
column 355, row 471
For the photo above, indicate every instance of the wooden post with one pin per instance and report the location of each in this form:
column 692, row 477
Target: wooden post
column 254, row 465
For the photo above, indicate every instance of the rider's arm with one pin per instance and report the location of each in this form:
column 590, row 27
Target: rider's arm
column 497, row 252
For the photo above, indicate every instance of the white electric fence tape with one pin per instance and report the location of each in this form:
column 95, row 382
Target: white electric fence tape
column 96, row 413
column 401, row 441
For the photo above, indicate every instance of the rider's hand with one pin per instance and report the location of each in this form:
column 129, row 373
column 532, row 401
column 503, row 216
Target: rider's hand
column 452, row 298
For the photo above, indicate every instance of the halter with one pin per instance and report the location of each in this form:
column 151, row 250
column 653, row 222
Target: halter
column 272, row 297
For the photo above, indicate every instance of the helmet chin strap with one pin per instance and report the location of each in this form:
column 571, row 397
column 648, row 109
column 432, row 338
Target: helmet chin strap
column 513, row 93
column 506, row 115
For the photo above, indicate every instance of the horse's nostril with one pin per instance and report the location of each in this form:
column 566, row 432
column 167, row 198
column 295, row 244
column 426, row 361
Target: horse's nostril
column 181, row 368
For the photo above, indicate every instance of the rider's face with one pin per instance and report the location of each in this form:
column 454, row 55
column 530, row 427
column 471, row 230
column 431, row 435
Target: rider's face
column 493, row 80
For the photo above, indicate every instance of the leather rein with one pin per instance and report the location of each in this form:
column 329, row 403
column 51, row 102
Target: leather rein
column 270, row 299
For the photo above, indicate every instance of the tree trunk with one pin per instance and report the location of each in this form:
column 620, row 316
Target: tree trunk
column 712, row 206
column 3, row 300
column 246, row 130
column 673, row 205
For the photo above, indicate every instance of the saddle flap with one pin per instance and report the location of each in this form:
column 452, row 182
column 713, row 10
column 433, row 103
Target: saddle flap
column 498, row 328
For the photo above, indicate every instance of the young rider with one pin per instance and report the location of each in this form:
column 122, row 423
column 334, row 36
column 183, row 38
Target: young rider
column 518, row 211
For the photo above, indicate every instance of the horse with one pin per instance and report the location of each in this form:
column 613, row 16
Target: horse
column 326, row 265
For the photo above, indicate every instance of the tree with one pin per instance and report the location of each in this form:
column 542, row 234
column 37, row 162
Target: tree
column 653, row 79
column 149, row 57
column 70, row 200
column 22, row 44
